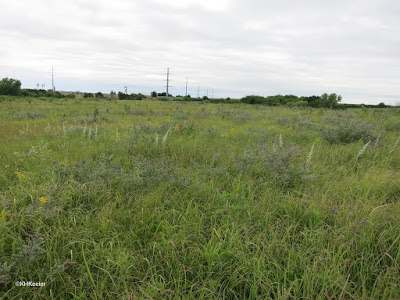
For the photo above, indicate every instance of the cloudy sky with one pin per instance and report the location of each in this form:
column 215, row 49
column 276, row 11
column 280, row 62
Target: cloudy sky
column 231, row 48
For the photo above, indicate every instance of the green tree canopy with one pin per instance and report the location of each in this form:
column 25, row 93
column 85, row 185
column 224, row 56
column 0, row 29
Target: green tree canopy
column 10, row 86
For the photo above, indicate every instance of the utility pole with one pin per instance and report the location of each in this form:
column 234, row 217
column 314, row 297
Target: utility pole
column 167, row 86
column 186, row 85
column 52, row 79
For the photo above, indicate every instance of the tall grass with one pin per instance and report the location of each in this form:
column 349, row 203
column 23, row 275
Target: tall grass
column 101, row 200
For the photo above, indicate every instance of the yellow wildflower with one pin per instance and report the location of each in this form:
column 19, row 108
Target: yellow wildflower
column 20, row 175
column 137, row 171
column 43, row 199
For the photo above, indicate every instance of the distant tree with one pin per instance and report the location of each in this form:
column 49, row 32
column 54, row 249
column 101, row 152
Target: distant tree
column 87, row 95
column 205, row 98
column 324, row 100
column 139, row 96
column 113, row 95
column 99, row 95
column 153, row 94
column 381, row 105
column 10, row 86
column 330, row 101
column 164, row 94
column 122, row 96
column 313, row 101
column 288, row 98
column 298, row 104
column 253, row 99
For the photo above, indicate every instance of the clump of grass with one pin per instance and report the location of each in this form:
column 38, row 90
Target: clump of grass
column 348, row 130
column 295, row 121
column 241, row 116
column 134, row 112
column 392, row 124
column 35, row 115
column 395, row 145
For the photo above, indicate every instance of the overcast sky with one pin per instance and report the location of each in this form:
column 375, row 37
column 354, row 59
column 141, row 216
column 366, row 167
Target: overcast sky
column 233, row 47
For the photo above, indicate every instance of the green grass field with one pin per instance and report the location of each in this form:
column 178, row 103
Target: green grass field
column 169, row 200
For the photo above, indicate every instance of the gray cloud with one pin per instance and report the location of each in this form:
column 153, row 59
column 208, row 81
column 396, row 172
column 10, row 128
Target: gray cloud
column 234, row 47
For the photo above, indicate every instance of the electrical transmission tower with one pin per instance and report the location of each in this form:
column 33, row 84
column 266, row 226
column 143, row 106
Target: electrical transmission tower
column 37, row 85
column 167, row 86
column 43, row 86
column 187, row 78
column 126, row 90
column 52, row 80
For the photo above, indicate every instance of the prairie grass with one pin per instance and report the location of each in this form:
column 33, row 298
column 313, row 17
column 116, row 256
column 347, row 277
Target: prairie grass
column 162, row 200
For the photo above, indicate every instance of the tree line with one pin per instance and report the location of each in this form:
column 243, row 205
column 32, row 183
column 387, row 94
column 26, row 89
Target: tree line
column 12, row 87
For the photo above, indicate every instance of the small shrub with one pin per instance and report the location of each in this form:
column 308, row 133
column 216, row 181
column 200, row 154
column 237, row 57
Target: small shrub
column 29, row 115
column 345, row 131
column 275, row 164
